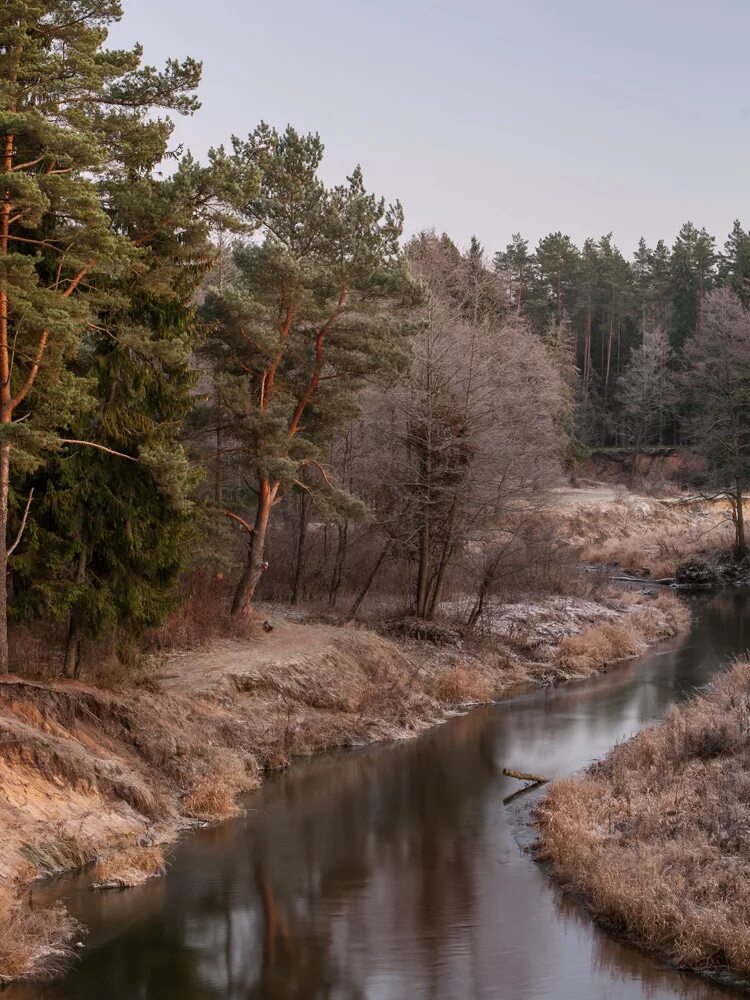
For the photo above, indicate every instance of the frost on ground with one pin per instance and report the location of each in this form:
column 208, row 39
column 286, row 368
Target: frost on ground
column 541, row 625
column 559, row 628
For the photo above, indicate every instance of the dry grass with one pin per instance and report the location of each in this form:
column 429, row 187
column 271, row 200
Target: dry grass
column 129, row 866
column 605, row 643
column 215, row 790
column 599, row 645
column 461, row 684
column 33, row 941
column 648, row 537
column 655, row 838
column 62, row 852
column 202, row 614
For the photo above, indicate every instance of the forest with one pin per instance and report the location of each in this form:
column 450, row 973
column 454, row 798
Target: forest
column 231, row 368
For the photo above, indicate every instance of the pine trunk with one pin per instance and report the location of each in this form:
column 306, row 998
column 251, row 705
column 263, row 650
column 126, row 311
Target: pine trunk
column 256, row 564
column 72, row 663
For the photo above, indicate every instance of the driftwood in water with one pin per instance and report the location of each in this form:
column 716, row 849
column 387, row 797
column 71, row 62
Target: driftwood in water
column 535, row 781
column 523, row 776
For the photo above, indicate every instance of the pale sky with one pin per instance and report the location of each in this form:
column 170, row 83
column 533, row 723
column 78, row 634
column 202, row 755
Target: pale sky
column 488, row 116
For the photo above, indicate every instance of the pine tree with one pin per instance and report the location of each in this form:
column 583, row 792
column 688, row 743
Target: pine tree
column 661, row 261
column 642, row 268
column 615, row 285
column 515, row 263
column 318, row 306
column 588, row 276
column 556, row 261
column 77, row 124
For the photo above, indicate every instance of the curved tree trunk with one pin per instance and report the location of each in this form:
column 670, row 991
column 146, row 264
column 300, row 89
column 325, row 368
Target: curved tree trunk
column 371, row 579
column 256, row 553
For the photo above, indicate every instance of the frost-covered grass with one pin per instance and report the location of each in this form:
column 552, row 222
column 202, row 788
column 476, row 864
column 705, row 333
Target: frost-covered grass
column 656, row 838
column 33, row 941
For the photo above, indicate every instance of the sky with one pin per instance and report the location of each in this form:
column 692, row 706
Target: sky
column 487, row 117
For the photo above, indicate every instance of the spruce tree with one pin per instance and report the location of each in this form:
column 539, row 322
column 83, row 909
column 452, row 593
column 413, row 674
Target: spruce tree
column 734, row 265
column 691, row 278
column 108, row 537
column 77, row 128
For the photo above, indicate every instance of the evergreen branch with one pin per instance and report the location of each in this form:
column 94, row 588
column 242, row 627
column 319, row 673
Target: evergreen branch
column 14, row 546
column 37, row 243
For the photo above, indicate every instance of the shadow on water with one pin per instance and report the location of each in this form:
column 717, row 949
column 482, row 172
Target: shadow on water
column 393, row 872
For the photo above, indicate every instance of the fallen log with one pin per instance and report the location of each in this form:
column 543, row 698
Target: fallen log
column 523, row 776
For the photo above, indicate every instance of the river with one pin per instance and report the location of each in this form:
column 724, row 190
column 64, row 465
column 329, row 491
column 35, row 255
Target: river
column 394, row 872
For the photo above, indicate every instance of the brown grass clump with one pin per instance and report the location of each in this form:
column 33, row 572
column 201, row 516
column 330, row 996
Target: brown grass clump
column 203, row 613
column 129, row 866
column 655, row 838
column 210, row 801
column 649, row 538
column 601, row 644
column 461, row 684
column 62, row 852
column 33, row 941
column 215, row 791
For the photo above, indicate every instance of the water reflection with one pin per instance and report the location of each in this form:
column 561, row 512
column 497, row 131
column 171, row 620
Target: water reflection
column 394, row 872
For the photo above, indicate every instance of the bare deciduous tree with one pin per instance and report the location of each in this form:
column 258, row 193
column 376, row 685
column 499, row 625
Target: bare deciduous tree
column 717, row 376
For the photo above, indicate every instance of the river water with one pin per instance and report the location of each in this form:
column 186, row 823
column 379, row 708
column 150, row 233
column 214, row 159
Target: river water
column 394, row 872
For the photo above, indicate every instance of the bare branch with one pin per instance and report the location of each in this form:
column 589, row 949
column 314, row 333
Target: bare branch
column 99, row 447
column 14, row 546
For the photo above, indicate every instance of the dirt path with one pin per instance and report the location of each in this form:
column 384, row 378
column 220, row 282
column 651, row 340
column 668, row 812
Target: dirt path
column 204, row 670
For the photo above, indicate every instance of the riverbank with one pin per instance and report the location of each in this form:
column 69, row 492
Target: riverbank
column 113, row 776
column 646, row 536
column 653, row 839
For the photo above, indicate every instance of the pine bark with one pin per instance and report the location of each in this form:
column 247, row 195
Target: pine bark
column 256, row 564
